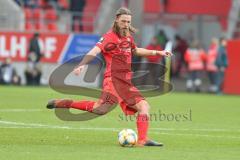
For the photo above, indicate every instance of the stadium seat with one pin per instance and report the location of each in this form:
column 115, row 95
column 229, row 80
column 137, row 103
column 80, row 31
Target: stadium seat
column 50, row 14
column 88, row 24
column 52, row 27
column 88, row 21
column 29, row 26
column 28, row 13
column 152, row 6
column 37, row 13
column 64, row 4
column 42, row 3
column 40, row 26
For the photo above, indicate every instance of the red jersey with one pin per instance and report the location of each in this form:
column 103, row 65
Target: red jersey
column 117, row 85
column 211, row 58
column 117, row 52
column 195, row 59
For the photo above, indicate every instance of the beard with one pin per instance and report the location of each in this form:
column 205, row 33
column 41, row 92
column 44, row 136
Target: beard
column 123, row 31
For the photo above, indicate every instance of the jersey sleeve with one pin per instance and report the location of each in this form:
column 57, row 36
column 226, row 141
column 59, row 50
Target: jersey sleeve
column 102, row 42
column 133, row 44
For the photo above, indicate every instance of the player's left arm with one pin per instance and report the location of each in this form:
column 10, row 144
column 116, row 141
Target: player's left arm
column 147, row 52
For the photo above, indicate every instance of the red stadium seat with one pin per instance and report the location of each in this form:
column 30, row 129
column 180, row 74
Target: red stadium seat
column 42, row 3
column 50, row 14
column 29, row 26
column 152, row 6
column 40, row 26
column 28, row 13
column 88, row 21
column 64, row 4
column 52, row 27
column 37, row 13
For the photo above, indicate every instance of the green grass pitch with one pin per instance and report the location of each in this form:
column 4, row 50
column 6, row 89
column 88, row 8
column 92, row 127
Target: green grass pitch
column 209, row 129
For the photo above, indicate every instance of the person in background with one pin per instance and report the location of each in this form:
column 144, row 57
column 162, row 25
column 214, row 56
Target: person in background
column 180, row 49
column 194, row 57
column 33, row 71
column 210, row 65
column 8, row 74
column 221, row 63
column 19, row 3
column 161, row 38
column 34, row 48
column 53, row 4
column 76, row 7
column 31, row 3
column 155, row 71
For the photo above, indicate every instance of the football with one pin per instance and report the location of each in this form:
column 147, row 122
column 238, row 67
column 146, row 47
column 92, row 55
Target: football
column 127, row 138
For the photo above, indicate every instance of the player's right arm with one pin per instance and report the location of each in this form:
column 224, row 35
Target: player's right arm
column 86, row 59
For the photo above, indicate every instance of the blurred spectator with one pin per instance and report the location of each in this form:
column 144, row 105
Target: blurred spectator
column 8, row 74
column 34, row 48
column 221, row 63
column 154, row 69
column 194, row 57
column 53, row 4
column 161, row 38
column 33, row 71
column 180, row 49
column 18, row 2
column 154, row 46
column 210, row 65
column 31, row 3
column 76, row 7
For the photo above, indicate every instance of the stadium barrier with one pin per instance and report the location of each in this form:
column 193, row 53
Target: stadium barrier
column 57, row 49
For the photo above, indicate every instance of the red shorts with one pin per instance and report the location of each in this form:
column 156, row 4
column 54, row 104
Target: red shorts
column 118, row 91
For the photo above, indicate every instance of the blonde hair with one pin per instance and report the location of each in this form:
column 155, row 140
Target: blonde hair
column 122, row 11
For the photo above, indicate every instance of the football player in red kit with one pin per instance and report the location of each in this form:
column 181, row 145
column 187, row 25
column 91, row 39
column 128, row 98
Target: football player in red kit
column 117, row 47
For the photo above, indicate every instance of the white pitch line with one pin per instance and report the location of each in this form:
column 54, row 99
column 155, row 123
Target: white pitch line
column 196, row 135
column 198, row 129
column 21, row 110
column 86, row 128
column 167, row 129
column 37, row 125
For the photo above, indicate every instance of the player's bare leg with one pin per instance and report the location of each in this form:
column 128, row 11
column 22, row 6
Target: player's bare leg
column 143, row 123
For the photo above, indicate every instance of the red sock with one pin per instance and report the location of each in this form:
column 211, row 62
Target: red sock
column 83, row 105
column 142, row 126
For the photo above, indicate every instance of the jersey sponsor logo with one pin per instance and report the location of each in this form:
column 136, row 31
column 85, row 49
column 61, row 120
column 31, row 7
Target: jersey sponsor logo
column 101, row 40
